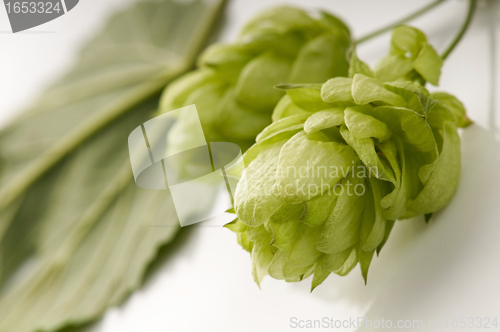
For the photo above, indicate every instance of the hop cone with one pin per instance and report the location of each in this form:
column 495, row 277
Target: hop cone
column 233, row 88
column 342, row 161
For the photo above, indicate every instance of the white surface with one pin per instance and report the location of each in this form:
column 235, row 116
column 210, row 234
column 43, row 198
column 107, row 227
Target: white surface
column 446, row 269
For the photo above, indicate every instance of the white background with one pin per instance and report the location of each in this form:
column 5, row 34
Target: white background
column 448, row 268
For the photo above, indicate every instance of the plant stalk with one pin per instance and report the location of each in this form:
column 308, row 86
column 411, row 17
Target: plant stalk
column 463, row 29
column 402, row 21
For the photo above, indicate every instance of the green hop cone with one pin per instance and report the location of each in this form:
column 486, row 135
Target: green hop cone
column 325, row 182
column 233, row 87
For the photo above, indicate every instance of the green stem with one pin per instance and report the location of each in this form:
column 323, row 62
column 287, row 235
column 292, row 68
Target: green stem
column 402, row 21
column 463, row 29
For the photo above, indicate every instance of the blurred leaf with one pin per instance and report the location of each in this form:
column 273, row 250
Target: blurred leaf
column 76, row 232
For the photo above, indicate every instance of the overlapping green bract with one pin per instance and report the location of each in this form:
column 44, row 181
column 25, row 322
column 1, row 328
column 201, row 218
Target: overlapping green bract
column 233, row 88
column 342, row 161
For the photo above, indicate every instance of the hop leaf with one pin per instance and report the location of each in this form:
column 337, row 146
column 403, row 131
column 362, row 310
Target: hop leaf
column 342, row 161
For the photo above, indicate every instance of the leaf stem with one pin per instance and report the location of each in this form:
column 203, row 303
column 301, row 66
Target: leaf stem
column 463, row 29
column 402, row 21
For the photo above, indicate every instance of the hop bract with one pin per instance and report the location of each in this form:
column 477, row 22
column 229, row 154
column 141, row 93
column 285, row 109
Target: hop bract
column 233, row 88
column 343, row 160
